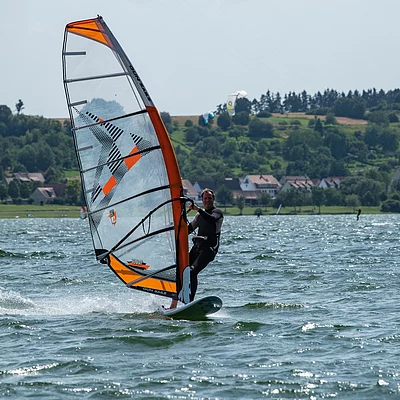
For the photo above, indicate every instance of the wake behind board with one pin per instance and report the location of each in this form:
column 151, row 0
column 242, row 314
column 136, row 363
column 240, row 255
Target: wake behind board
column 197, row 309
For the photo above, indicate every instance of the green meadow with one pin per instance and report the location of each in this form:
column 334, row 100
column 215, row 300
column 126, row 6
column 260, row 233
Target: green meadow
column 37, row 211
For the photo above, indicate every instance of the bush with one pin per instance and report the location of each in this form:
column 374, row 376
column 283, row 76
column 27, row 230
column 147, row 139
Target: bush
column 319, row 111
column 263, row 114
column 224, row 121
column 393, row 117
column 241, row 118
column 391, row 206
column 188, row 123
column 259, row 129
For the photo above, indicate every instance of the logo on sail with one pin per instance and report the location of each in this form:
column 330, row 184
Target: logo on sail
column 113, row 216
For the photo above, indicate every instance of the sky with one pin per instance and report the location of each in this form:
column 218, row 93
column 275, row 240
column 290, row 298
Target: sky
column 191, row 54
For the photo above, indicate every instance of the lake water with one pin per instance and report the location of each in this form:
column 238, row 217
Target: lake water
column 311, row 311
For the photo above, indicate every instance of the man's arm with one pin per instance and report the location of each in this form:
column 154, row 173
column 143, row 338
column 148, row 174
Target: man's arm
column 194, row 224
column 214, row 216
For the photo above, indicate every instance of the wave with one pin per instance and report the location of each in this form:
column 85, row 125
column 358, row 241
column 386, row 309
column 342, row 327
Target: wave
column 72, row 367
column 336, row 327
column 365, row 286
column 29, row 370
column 13, row 301
column 32, row 255
column 9, row 254
column 248, row 325
column 71, row 281
column 264, row 256
column 273, row 305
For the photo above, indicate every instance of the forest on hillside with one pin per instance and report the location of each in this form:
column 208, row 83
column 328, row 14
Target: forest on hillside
column 254, row 140
column 35, row 144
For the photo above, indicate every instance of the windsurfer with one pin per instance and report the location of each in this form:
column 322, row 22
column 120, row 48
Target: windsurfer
column 208, row 221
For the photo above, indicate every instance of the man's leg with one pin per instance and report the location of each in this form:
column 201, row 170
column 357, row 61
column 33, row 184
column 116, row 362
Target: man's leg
column 174, row 303
column 204, row 258
column 194, row 253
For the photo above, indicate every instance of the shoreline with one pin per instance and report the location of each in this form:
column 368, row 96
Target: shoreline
column 8, row 211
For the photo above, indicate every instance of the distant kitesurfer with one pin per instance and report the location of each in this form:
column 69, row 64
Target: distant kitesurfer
column 206, row 242
column 358, row 215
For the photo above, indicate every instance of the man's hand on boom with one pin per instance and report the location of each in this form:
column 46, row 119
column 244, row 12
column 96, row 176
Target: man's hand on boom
column 193, row 206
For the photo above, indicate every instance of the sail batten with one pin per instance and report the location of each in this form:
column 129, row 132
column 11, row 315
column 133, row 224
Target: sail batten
column 129, row 174
column 89, row 78
column 130, row 284
column 109, row 163
column 85, row 148
column 130, row 198
column 79, row 103
column 74, row 53
column 144, row 237
column 105, row 121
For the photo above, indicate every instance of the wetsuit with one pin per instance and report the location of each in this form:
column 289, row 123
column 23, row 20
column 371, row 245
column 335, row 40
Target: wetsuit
column 206, row 243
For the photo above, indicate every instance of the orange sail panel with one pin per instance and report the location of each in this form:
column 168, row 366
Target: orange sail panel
column 132, row 160
column 152, row 285
column 90, row 28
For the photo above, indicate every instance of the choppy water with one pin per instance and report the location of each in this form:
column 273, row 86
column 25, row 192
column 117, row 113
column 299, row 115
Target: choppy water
column 311, row 311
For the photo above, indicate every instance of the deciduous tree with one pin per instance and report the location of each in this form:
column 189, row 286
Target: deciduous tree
column 240, row 203
column 224, row 195
column 318, row 197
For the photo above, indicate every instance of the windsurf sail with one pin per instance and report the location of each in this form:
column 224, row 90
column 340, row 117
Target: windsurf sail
column 130, row 177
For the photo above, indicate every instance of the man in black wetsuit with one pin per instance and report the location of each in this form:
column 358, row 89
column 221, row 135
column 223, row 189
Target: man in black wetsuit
column 206, row 242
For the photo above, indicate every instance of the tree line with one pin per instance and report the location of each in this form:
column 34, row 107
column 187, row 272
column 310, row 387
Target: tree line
column 35, row 144
column 247, row 143
column 369, row 188
column 352, row 104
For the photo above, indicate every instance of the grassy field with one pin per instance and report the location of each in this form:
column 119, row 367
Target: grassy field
column 307, row 210
column 71, row 173
column 57, row 211
column 36, row 211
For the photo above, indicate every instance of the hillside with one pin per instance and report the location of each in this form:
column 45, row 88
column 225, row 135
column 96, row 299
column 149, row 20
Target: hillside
column 296, row 144
column 294, row 147
column 365, row 152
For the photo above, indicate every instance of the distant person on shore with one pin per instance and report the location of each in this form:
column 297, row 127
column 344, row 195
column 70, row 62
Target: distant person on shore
column 358, row 214
column 208, row 221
